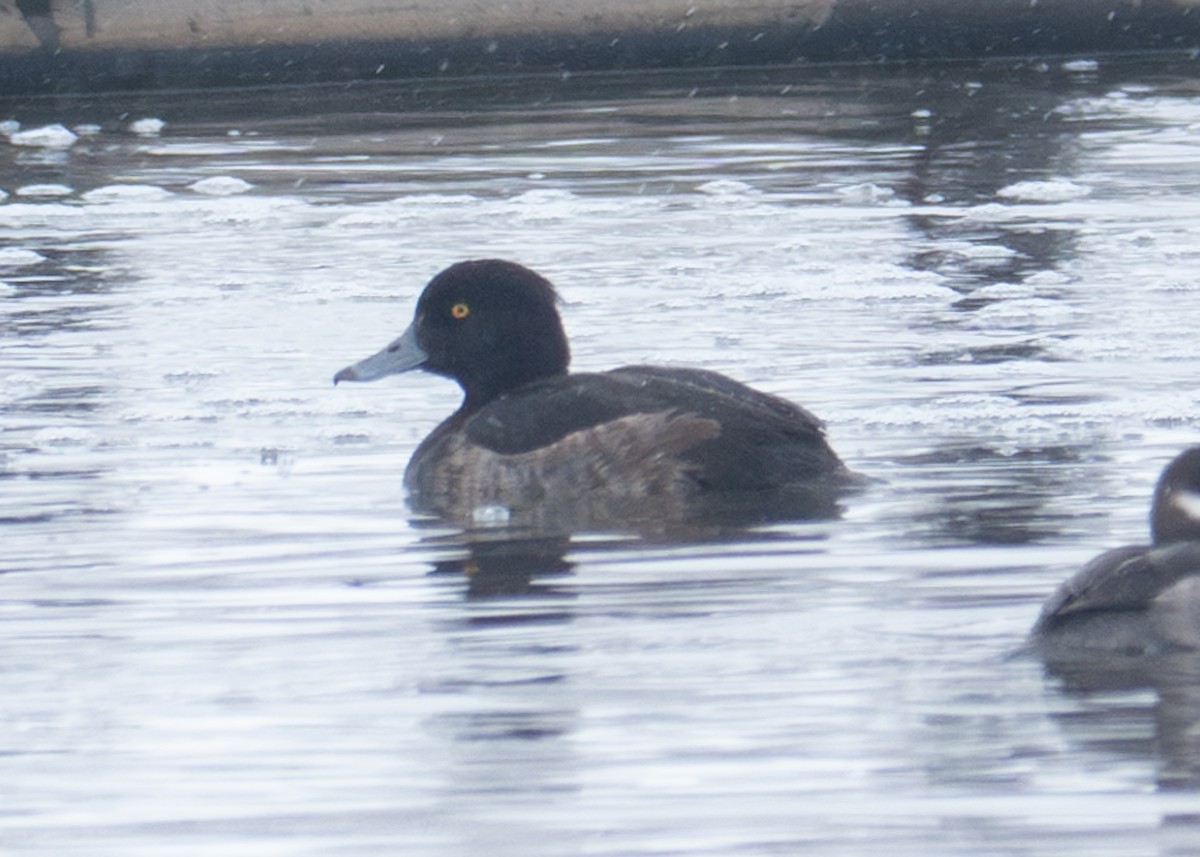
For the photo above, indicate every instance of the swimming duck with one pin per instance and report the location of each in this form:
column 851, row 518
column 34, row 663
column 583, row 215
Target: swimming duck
column 634, row 441
column 1137, row 599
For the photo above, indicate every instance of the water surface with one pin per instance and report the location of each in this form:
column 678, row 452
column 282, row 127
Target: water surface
column 224, row 632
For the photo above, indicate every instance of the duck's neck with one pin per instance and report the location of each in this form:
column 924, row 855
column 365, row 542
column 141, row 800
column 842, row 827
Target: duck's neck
column 541, row 354
column 484, row 391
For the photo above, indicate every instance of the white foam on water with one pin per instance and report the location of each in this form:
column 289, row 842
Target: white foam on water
column 47, row 137
column 46, row 190
column 1048, row 190
column 221, row 186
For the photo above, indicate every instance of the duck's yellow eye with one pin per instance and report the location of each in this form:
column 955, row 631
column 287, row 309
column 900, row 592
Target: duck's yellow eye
column 460, row 310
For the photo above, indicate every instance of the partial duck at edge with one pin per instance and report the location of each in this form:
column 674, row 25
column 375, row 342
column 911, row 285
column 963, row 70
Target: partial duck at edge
column 1138, row 599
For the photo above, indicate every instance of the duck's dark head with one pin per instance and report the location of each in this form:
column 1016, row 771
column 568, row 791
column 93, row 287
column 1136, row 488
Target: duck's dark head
column 490, row 325
column 1175, row 515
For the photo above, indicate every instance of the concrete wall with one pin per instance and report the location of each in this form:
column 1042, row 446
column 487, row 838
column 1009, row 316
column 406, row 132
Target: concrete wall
column 57, row 45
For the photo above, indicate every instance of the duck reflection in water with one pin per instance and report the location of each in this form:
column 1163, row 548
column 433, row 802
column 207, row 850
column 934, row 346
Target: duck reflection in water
column 495, row 565
column 636, row 447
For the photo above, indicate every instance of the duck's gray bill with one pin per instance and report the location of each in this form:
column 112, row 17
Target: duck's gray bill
column 402, row 355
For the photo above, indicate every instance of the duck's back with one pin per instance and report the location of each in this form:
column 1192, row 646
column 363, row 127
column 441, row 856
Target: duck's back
column 755, row 440
column 638, row 431
column 1131, row 600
